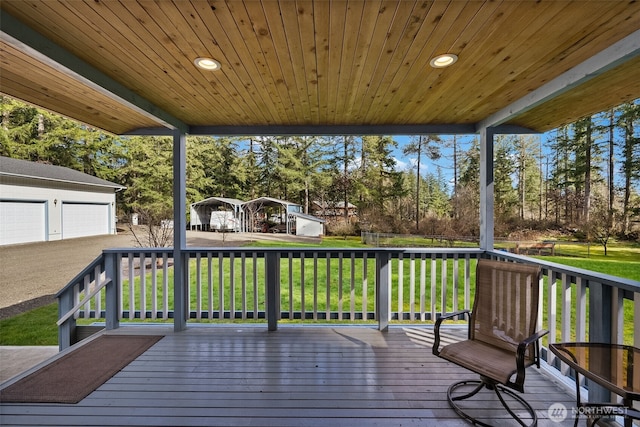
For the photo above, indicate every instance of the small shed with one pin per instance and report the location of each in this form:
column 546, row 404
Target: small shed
column 201, row 213
column 41, row 202
column 266, row 210
column 308, row 225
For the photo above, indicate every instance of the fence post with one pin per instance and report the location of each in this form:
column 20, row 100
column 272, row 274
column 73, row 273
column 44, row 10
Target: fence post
column 66, row 331
column 112, row 298
column 272, row 265
column 382, row 290
column 600, row 327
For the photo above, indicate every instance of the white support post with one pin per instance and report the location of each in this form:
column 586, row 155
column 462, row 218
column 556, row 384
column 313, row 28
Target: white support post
column 179, row 230
column 486, row 189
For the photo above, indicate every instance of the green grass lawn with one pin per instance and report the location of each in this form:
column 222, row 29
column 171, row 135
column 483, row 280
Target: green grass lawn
column 38, row 326
column 35, row 327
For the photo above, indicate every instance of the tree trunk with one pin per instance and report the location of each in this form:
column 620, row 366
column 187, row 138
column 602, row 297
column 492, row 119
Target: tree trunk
column 455, row 178
column 346, row 178
column 611, row 171
column 587, row 173
column 418, row 184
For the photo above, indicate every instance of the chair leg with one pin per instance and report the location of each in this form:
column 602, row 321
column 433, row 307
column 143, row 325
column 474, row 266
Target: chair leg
column 498, row 389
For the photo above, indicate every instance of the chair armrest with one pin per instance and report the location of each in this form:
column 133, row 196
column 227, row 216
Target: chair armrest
column 436, row 328
column 522, row 348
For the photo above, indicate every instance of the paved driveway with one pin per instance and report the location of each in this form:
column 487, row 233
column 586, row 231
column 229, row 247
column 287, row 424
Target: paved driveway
column 32, row 273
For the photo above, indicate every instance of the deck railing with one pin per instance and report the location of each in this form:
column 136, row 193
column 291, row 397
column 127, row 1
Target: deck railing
column 272, row 285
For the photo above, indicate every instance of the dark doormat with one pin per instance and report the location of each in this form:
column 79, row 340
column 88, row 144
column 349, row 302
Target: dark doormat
column 72, row 377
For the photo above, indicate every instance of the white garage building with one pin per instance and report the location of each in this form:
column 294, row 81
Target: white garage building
column 41, row 202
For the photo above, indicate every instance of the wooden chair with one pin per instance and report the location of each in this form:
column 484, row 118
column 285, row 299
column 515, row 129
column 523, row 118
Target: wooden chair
column 502, row 340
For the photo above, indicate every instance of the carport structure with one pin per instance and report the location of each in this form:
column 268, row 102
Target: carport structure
column 200, row 212
column 329, row 68
column 280, row 208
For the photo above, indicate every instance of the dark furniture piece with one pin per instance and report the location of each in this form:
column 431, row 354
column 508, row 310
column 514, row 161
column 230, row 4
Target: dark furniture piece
column 613, row 366
column 502, row 340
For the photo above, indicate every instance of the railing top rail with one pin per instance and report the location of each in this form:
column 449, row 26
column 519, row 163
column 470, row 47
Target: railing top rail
column 168, row 250
column 286, row 250
column 606, row 279
column 80, row 276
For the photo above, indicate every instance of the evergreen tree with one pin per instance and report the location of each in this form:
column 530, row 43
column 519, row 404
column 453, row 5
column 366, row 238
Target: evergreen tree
column 628, row 121
column 417, row 146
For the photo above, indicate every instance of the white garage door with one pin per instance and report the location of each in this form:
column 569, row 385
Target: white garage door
column 22, row 222
column 80, row 219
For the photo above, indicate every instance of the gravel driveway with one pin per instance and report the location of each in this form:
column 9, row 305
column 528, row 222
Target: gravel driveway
column 31, row 274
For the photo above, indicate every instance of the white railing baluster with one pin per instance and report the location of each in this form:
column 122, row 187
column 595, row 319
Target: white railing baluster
column 352, row 287
column 328, row 286
column 581, row 309
column 187, row 275
column 132, row 301
column 198, row 286
column 433, row 286
column 340, row 297
column 302, row 288
column 467, row 282
column 423, row 287
column 165, row 286
column 154, row 285
column 456, row 283
column 412, row 287
column 86, row 290
column 565, row 322
column 636, row 329
column 315, row 285
column 143, row 286
column 232, row 285
column 120, row 281
column 443, row 283
column 365, row 286
column 210, row 285
column 243, row 265
column 400, row 286
column 76, row 298
column 290, row 263
column 551, row 315
column 254, row 257
column 100, row 277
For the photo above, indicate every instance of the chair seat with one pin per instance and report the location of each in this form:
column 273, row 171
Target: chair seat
column 492, row 362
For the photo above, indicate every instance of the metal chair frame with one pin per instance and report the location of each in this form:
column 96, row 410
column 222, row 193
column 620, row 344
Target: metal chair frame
column 520, row 361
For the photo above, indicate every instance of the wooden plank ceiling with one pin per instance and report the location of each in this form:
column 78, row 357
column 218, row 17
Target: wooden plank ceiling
column 318, row 64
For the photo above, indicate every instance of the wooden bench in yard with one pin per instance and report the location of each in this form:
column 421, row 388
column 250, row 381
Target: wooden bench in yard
column 536, row 248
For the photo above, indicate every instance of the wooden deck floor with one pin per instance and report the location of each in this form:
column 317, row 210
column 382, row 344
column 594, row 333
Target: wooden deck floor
column 297, row 376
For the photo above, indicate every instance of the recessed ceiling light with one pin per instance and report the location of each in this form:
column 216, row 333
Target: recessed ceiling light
column 442, row 61
column 207, row 64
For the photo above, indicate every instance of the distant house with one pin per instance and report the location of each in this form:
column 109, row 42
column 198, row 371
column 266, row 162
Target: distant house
column 40, row 202
column 334, row 210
